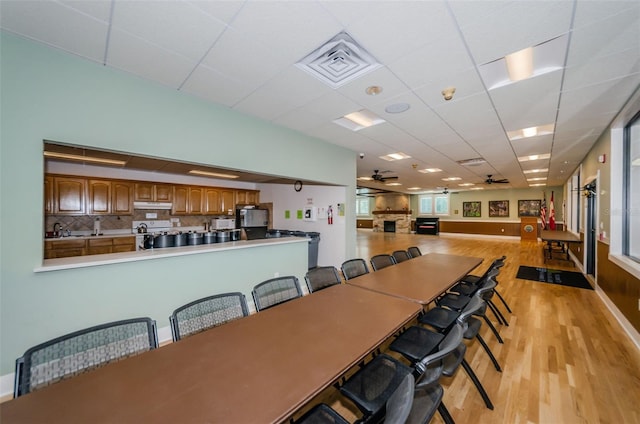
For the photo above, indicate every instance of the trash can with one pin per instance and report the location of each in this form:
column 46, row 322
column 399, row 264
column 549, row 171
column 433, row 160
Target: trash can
column 314, row 239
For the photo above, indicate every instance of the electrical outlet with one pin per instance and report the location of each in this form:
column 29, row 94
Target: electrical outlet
column 151, row 215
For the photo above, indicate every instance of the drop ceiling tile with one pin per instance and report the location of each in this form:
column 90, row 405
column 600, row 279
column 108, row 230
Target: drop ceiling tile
column 533, row 145
column 539, row 108
column 469, row 115
column 275, row 98
column 209, row 84
column 589, row 12
column 173, row 25
column 381, row 77
column 137, row 56
column 605, row 68
column 331, row 106
column 514, row 26
column 57, row 25
column 224, row 11
column 466, row 83
column 99, row 9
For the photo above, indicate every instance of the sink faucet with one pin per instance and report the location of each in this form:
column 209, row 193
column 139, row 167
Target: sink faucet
column 57, row 229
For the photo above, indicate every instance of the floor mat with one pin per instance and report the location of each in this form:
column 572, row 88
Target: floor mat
column 554, row 276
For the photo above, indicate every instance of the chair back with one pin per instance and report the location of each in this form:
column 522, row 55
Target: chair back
column 401, row 256
column 476, row 306
column 354, row 268
column 414, row 251
column 382, row 261
column 322, row 277
column 275, row 291
column 430, row 367
column 400, row 403
column 206, row 313
column 82, row 351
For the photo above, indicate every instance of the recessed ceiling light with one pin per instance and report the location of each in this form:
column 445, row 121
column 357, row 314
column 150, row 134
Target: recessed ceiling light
column 413, row 188
column 395, row 156
column 535, row 171
column 397, row 108
column 534, row 157
column 477, row 188
column 531, row 132
column 636, row 161
column 471, row 162
column 537, row 179
column 373, row 90
column 358, row 120
column 466, row 184
column 212, row 174
column 84, row 158
column 429, row 170
column 520, row 64
column 538, row 185
column 364, row 178
column 452, row 179
column 393, row 184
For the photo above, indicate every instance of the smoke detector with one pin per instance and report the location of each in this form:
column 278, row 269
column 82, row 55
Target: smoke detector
column 447, row 93
column 338, row 61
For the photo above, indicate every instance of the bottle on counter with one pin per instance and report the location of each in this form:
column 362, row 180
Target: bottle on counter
column 96, row 226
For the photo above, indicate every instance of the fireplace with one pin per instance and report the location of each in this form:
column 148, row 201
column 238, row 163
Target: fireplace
column 389, row 226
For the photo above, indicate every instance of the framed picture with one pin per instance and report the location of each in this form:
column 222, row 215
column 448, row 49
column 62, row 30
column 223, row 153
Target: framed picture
column 528, row 207
column 471, row 209
column 498, row 208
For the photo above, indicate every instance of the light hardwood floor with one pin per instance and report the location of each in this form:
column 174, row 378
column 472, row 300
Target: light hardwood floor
column 565, row 358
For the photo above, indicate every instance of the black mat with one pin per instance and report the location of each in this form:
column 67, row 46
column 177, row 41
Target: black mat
column 553, row 276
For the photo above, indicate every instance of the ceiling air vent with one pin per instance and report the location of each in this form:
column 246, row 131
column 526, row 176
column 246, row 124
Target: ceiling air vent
column 471, row 162
column 338, row 61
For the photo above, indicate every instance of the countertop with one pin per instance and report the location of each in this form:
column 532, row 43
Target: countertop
column 142, row 255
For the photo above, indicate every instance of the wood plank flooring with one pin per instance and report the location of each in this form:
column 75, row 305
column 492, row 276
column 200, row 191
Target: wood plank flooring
column 565, row 359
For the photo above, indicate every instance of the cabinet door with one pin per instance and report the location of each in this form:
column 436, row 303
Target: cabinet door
column 212, row 201
column 99, row 197
column 143, row 192
column 48, row 195
column 122, row 200
column 180, row 200
column 195, row 200
column 241, row 197
column 253, row 197
column 163, row 192
column 228, row 204
column 69, row 196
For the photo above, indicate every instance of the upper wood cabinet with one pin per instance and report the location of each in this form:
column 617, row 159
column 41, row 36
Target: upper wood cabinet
column 69, row 196
column 121, row 198
column 212, row 201
column 247, row 197
column 228, row 201
column 150, row 192
column 48, row 194
column 187, row 200
column 195, row 200
column 107, row 197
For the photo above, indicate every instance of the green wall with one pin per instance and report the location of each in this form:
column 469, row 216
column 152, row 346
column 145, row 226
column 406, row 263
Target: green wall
column 48, row 94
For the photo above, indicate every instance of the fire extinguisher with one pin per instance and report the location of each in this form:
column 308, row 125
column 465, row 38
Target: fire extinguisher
column 330, row 215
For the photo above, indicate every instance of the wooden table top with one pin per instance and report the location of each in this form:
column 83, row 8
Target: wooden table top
column 419, row 279
column 261, row 368
column 562, row 236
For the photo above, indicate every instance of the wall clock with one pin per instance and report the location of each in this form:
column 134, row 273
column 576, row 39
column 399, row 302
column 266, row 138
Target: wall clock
column 297, row 186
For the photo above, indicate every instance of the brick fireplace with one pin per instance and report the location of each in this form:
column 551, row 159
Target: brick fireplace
column 385, row 220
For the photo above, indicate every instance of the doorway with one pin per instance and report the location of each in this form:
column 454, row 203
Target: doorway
column 591, row 228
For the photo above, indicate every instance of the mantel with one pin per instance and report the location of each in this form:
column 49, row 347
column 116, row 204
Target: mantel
column 403, row 212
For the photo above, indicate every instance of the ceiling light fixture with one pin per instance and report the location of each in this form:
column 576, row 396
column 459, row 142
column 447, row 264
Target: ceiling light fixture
column 397, row 108
column 452, row 179
column 413, row 188
column 520, row 64
column 534, row 157
column 471, row 162
column 537, row 179
column 538, row 185
column 84, row 158
column 356, row 121
column 211, row 174
column 477, row 188
column 466, row 184
column 531, row 132
column 636, row 161
column 373, row 90
column 393, row 184
column 447, row 93
column 429, row 170
column 535, row 171
column 395, row 156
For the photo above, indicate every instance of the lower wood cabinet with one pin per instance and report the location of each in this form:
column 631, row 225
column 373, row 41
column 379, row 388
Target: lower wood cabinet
column 68, row 247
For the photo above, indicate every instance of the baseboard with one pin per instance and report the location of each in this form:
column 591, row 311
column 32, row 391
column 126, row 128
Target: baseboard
column 622, row 320
column 7, row 381
column 484, row 236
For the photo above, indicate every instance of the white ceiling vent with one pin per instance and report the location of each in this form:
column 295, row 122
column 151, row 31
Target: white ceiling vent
column 338, row 61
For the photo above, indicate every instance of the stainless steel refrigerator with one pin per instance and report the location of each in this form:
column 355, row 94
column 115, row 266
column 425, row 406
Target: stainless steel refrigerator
column 253, row 221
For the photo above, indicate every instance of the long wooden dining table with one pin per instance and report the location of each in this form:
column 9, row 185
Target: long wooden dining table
column 258, row 369
column 420, row 279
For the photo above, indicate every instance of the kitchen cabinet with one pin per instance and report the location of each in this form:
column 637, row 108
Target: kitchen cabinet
column 124, row 244
column 67, row 247
column 187, row 200
column 48, row 194
column 151, row 192
column 195, row 200
column 98, row 246
column 247, row 197
column 69, row 196
column 64, row 248
column 212, row 202
column 107, row 197
column 228, row 201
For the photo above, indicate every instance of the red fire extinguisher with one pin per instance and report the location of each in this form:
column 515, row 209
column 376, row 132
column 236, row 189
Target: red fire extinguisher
column 330, row 215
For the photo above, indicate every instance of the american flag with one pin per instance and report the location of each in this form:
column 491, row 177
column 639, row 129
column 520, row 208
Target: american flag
column 543, row 212
column 552, row 215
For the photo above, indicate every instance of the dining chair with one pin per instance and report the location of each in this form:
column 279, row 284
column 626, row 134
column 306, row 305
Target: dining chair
column 275, row 291
column 474, row 279
column 206, row 313
column 322, row 277
column 414, row 251
column 82, row 351
column 401, row 256
column 382, row 261
column 354, row 268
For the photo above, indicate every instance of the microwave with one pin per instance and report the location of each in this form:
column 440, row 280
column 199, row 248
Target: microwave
column 223, row 224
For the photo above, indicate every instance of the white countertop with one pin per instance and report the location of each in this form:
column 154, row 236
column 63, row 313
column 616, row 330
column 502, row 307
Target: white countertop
column 143, row 255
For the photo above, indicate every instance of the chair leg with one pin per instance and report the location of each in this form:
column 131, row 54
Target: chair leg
column 444, row 413
column 476, row 382
column 486, row 348
column 497, row 313
column 493, row 329
column 504, row 302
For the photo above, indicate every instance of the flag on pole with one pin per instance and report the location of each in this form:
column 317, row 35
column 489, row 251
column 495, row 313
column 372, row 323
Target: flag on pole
column 552, row 215
column 543, row 211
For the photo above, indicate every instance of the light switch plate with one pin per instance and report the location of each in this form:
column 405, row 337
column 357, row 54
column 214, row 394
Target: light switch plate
column 151, row 215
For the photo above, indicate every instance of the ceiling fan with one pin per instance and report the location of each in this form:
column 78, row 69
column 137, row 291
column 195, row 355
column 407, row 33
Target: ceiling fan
column 377, row 176
column 490, row 180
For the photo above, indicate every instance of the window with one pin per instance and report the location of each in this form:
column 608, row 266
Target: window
column 362, row 206
column 433, row 204
column 631, row 185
